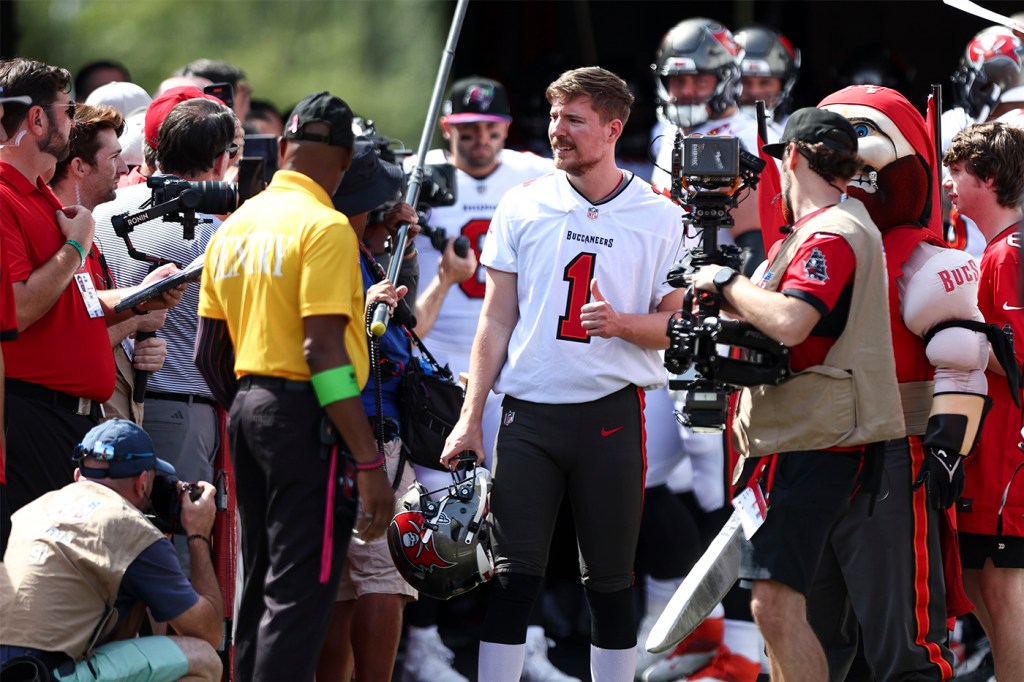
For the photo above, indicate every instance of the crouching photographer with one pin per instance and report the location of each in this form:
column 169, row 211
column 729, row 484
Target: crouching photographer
column 84, row 562
column 823, row 295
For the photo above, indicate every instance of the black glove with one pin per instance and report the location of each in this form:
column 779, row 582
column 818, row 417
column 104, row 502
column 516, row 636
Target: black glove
column 942, row 475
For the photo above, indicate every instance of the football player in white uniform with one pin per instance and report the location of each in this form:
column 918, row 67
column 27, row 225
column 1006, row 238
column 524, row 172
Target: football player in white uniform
column 475, row 123
column 575, row 309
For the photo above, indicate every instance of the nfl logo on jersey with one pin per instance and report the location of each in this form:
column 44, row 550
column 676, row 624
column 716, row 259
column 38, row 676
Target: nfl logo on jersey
column 592, row 213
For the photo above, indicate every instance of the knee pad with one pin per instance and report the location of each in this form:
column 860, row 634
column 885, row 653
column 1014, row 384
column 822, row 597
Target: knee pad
column 611, row 619
column 508, row 608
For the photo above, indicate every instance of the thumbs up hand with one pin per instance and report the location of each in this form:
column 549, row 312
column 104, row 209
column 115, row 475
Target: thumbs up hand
column 598, row 317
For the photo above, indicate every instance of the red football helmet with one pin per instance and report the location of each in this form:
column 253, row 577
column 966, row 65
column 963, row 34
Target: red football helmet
column 991, row 64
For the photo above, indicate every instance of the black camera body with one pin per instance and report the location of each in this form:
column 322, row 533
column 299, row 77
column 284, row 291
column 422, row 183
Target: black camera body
column 207, row 196
column 166, row 501
column 707, row 173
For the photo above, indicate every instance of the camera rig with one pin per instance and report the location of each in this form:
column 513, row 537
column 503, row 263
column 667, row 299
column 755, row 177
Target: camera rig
column 707, row 174
column 176, row 201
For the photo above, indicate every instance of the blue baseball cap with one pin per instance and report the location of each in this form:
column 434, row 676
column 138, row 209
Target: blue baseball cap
column 124, row 446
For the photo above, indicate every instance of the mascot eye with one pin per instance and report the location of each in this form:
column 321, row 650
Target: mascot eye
column 862, row 129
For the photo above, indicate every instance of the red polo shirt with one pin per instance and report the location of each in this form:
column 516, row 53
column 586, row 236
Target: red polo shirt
column 65, row 349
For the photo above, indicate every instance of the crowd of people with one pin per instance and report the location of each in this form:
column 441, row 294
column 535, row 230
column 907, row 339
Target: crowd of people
column 885, row 259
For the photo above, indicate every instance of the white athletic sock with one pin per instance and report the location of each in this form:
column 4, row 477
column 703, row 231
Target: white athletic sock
column 718, row 611
column 743, row 638
column 421, row 633
column 502, row 662
column 611, row 665
column 661, row 591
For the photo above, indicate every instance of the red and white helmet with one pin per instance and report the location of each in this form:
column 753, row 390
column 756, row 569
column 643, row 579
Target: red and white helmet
column 991, row 63
column 697, row 46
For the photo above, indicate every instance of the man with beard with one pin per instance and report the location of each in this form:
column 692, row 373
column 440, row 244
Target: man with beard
column 60, row 368
column 89, row 176
column 823, row 295
column 476, row 123
column 575, row 309
column 89, row 553
column 888, row 559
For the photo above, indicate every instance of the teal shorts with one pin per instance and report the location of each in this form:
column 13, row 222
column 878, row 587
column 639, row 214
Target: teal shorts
column 145, row 659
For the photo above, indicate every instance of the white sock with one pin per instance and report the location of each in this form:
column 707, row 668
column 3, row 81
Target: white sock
column 611, row 665
column 661, row 591
column 743, row 638
column 534, row 631
column 419, row 634
column 501, row 662
column 718, row 611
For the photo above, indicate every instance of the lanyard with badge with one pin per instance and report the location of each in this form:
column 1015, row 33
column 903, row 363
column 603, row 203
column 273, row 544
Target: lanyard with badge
column 83, row 280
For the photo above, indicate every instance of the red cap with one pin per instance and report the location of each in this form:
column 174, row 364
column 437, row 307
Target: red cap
column 162, row 105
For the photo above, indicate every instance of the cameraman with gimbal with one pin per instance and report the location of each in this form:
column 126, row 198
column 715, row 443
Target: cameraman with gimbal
column 193, row 137
column 824, row 296
column 84, row 562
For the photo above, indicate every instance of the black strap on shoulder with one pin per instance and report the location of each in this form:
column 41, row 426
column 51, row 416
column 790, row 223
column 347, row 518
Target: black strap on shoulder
column 1002, row 347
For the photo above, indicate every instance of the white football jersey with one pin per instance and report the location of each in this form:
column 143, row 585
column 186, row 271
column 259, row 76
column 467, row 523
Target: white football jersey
column 476, row 199
column 556, row 241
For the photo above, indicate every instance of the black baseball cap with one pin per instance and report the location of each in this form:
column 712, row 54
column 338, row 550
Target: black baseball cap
column 321, row 107
column 369, row 181
column 477, row 99
column 812, row 125
column 124, row 446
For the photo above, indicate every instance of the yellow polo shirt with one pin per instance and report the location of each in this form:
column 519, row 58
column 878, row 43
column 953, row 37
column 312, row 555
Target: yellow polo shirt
column 284, row 255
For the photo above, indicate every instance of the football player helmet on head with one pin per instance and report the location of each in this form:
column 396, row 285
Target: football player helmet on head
column 990, row 65
column 442, row 547
column 697, row 47
column 768, row 54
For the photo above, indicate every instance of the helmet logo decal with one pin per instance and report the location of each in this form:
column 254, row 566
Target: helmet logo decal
column 992, row 45
column 725, row 38
column 483, row 95
column 420, row 554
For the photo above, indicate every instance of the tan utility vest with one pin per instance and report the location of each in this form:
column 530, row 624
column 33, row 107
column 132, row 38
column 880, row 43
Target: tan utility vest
column 67, row 554
column 852, row 398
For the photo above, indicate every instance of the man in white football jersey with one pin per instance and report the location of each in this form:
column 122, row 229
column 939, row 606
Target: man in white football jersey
column 476, row 122
column 576, row 306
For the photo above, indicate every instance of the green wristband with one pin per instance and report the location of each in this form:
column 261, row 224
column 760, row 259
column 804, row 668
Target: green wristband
column 337, row 383
column 79, row 249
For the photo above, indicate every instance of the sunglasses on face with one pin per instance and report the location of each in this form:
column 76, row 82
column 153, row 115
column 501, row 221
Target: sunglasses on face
column 68, row 106
column 232, row 150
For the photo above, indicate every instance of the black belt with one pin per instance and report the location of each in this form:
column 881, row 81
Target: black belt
column 181, row 397
column 63, row 401
column 273, row 383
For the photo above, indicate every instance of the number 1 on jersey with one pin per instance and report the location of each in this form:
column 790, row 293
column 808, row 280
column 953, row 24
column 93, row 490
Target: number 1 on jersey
column 578, row 274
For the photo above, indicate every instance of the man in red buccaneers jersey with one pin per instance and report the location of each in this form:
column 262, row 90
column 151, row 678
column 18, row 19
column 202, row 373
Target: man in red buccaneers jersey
column 985, row 181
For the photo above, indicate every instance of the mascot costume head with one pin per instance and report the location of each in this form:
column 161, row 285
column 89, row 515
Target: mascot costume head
column 898, row 184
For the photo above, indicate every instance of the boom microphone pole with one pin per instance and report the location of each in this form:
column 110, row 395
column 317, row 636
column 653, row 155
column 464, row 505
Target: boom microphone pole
column 380, row 310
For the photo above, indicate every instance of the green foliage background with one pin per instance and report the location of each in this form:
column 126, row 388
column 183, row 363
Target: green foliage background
column 381, row 56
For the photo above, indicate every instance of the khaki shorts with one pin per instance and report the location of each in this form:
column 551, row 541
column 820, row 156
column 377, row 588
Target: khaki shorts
column 368, row 565
column 145, row 659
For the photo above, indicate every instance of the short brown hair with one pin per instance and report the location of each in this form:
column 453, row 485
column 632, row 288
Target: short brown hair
column 41, row 82
column 609, row 95
column 831, row 164
column 992, row 151
column 89, row 121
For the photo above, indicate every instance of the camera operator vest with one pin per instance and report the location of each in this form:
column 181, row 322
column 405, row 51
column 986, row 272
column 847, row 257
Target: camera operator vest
column 67, row 554
column 852, row 398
